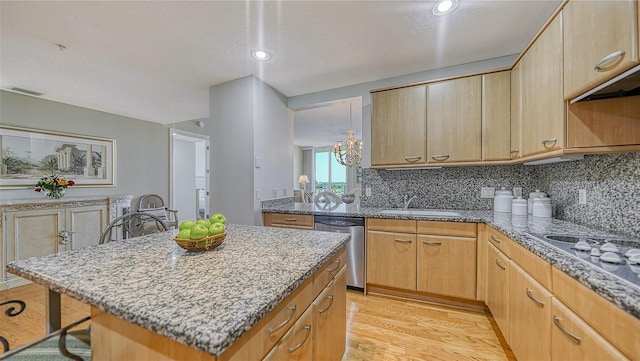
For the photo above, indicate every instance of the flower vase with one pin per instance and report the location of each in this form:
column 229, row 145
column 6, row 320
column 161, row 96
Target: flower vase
column 55, row 194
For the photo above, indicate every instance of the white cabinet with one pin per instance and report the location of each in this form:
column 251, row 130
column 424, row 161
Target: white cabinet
column 43, row 228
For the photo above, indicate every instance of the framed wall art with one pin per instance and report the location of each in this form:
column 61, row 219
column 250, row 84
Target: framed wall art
column 29, row 154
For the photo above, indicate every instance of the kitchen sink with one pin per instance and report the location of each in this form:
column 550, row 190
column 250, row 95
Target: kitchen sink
column 419, row 212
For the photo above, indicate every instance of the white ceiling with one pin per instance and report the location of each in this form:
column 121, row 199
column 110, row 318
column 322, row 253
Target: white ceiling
column 155, row 60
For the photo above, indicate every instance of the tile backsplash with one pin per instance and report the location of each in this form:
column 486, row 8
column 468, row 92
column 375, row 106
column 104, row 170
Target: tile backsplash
column 611, row 182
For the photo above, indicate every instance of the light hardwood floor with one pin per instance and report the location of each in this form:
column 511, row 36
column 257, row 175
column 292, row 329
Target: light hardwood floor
column 379, row 328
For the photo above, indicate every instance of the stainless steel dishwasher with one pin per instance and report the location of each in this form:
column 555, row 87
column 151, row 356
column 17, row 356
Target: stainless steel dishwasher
column 355, row 247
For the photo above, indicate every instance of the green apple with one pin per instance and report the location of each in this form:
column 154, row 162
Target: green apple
column 206, row 222
column 218, row 218
column 216, row 228
column 199, row 231
column 184, row 234
column 187, row 225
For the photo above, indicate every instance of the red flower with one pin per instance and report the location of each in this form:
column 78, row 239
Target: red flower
column 71, row 183
column 38, row 189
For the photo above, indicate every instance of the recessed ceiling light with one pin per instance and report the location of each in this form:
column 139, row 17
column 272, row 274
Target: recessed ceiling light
column 260, row 55
column 445, row 7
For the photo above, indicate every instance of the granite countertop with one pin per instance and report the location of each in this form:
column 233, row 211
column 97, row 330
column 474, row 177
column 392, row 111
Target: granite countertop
column 204, row 300
column 621, row 293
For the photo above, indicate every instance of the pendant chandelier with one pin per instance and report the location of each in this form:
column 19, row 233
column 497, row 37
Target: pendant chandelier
column 350, row 153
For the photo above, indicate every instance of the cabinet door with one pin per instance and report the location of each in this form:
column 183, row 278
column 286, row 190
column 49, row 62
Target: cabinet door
column 398, row 126
column 529, row 315
column 447, row 266
column 297, row 343
column 391, row 259
column 330, row 312
column 543, row 126
column 454, row 126
column 573, row 339
column 516, row 112
column 33, row 233
column 498, row 288
column 599, row 42
column 496, row 116
column 86, row 223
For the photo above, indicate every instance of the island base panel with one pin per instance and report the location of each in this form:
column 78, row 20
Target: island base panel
column 114, row 339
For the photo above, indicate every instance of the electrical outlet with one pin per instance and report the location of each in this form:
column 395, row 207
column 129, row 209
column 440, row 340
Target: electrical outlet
column 258, row 193
column 517, row 191
column 274, row 193
column 367, row 191
column 487, row 192
column 582, row 196
column 284, row 192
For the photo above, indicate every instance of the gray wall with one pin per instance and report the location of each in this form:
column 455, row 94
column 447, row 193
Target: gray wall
column 142, row 148
column 612, row 183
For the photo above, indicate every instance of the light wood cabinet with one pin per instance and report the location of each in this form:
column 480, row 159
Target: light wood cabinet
column 43, row 229
column 297, row 343
column 454, row 126
column 600, row 42
column 543, row 118
column 573, row 339
column 287, row 220
column 399, row 126
column 391, row 259
column 497, row 298
column 529, row 316
column 516, row 112
column 447, row 266
column 496, row 116
column 330, row 312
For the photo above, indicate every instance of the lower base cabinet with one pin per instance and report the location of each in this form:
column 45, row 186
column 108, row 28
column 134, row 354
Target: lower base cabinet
column 297, row 343
column 574, row 339
column 498, row 288
column 329, row 320
column 394, row 257
column 529, row 315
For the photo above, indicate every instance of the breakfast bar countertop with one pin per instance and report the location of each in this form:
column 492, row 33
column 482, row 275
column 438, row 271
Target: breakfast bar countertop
column 204, row 300
column 518, row 228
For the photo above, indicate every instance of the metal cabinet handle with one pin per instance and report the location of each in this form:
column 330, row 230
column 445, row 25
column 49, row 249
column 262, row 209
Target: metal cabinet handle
column 432, row 243
column 553, row 142
column 608, row 60
column 293, row 348
column 514, row 152
column 500, row 264
column 330, row 297
column 556, row 321
column 530, row 295
column 413, row 158
column 336, row 267
column 293, row 313
column 440, row 157
column 402, row 240
column 495, row 239
column 290, row 219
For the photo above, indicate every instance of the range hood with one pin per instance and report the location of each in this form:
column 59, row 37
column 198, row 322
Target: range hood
column 625, row 84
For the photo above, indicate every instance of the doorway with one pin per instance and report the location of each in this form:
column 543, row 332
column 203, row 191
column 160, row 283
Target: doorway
column 189, row 180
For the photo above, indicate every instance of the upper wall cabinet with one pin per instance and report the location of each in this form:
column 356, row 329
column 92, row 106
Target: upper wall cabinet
column 496, row 116
column 454, row 125
column 600, row 42
column 516, row 112
column 543, row 126
column 399, row 126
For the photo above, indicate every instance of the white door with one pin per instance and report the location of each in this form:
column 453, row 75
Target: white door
column 189, row 174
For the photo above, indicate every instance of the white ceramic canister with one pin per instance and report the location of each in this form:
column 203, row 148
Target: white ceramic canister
column 519, row 207
column 532, row 196
column 542, row 207
column 502, row 200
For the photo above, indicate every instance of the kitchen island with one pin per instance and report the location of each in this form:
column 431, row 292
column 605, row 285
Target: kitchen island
column 205, row 301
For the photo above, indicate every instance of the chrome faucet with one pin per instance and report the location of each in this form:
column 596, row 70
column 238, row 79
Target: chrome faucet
column 407, row 200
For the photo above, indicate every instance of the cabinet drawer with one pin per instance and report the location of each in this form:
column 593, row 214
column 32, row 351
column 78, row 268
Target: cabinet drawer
column 391, row 225
column 322, row 276
column 286, row 220
column 297, row 344
column 535, row 266
column 454, row 229
column 329, row 320
column 617, row 326
column 391, row 260
column 499, row 240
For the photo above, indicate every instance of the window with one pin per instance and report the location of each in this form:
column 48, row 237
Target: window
column 329, row 174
